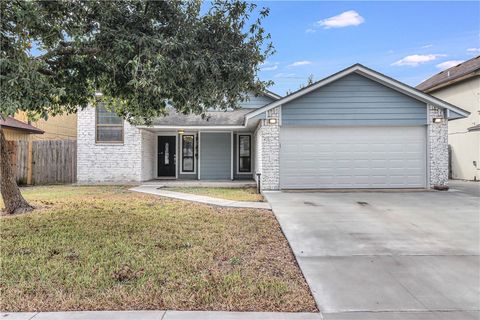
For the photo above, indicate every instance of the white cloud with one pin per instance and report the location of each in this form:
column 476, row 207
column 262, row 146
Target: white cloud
column 417, row 59
column 310, row 30
column 269, row 66
column 284, row 75
column 449, row 64
column 344, row 19
column 473, row 50
column 427, row 46
column 300, row 63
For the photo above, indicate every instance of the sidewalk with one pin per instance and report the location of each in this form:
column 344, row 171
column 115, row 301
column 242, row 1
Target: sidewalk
column 158, row 315
column 155, row 190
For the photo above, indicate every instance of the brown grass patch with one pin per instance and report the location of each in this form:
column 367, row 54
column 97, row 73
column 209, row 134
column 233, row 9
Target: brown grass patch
column 105, row 248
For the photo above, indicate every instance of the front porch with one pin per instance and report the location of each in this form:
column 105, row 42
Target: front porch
column 198, row 157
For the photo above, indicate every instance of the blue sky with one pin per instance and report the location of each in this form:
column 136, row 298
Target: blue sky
column 409, row 41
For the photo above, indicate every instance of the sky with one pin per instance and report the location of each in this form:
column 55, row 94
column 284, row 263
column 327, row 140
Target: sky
column 409, row 41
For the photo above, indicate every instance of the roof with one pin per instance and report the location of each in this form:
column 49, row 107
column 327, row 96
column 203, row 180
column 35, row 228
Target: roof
column 452, row 75
column 213, row 118
column 474, row 128
column 368, row 73
column 272, row 94
column 13, row 123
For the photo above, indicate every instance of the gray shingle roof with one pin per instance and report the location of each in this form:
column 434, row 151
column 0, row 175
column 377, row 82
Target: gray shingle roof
column 215, row 118
column 451, row 74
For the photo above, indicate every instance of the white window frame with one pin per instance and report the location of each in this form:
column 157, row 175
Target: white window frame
column 181, row 153
column 104, row 142
column 238, row 153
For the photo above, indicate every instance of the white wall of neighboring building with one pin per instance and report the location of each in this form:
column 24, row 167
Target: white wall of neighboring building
column 465, row 145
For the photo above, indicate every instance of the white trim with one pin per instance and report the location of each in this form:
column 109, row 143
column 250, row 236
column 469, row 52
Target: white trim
column 199, row 152
column 167, row 134
column 373, row 75
column 231, row 155
column 238, row 152
column 181, row 153
column 428, row 154
column 272, row 95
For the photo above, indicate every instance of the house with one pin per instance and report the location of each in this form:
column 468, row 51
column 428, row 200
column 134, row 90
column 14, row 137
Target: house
column 18, row 130
column 460, row 85
column 60, row 127
column 354, row 129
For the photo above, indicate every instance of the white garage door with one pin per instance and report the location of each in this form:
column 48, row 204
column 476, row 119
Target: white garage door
column 353, row 157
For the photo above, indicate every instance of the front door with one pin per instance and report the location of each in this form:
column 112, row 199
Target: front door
column 166, row 156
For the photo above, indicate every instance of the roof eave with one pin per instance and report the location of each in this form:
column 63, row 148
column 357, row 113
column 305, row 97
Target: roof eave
column 450, row 82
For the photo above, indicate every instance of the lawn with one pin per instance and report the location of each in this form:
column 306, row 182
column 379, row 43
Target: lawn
column 105, row 248
column 236, row 194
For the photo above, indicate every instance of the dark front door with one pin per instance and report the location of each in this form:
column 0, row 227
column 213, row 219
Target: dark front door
column 166, row 156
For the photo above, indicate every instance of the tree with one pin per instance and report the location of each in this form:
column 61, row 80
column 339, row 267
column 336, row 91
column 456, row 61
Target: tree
column 141, row 55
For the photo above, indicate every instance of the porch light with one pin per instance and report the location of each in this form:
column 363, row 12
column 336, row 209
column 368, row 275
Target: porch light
column 437, row 120
column 272, row 120
column 181, row 131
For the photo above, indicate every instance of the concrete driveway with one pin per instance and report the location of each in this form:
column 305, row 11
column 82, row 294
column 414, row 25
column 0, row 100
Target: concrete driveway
column 387, row 255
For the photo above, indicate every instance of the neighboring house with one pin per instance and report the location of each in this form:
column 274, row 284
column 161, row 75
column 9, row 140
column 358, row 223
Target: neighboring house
column 460, row 85
column 60, row 127
column 18, row 130
column 354, row 129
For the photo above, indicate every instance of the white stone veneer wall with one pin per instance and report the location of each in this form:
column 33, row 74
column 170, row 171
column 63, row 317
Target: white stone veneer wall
column 437, row 148
column 268, row 151
column 107, row 162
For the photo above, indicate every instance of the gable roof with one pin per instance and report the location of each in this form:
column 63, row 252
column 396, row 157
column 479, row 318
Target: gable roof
column 13, row 123
column 452, row 75
column 368, row 73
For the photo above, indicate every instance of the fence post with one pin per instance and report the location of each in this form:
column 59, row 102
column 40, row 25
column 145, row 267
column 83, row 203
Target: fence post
column 29, row 162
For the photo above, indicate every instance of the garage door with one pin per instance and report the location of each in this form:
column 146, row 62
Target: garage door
column 352, row 157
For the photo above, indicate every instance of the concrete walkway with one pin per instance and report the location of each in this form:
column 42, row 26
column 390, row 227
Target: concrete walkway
column 158, row 315
column 159, row 191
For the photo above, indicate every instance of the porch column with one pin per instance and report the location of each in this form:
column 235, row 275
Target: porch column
column 270, row 153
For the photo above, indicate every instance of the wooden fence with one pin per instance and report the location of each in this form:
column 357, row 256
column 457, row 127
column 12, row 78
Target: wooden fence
column 44, row 162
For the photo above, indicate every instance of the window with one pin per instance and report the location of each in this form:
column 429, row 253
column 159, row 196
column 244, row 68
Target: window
column 188, row 151
column 244, row 153
column 109, row 126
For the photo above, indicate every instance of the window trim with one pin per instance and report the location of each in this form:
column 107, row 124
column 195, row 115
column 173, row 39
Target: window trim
column 238, row 153
column 122, row 125
column 194, row 171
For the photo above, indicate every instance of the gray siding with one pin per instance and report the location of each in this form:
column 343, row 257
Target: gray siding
column 354, row 100
column 255, row 102
column 215, row 154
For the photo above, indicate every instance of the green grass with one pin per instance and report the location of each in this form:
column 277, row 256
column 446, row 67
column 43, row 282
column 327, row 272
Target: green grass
column 237, row 194
column 105, row 248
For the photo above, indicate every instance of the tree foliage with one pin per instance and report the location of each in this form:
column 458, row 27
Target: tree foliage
column 141, row 55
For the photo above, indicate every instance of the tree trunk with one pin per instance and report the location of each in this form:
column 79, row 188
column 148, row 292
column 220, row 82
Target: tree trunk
column 12, row 198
